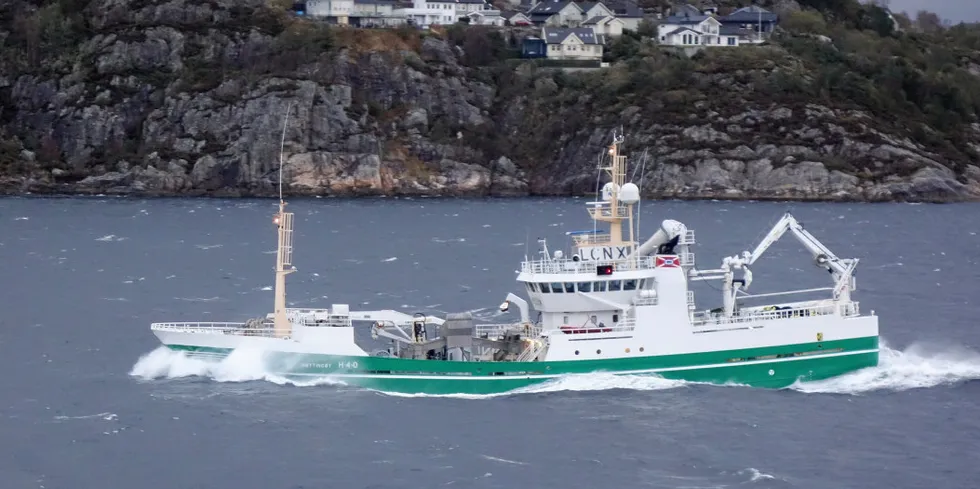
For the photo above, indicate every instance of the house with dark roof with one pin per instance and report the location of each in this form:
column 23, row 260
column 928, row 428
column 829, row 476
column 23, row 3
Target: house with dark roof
column 627, row 11
column 556, row 13
column 605, row 25
column 581, row 43
column 484, row 17
column 693, row 30
column 594, row 9
column 516, row 18
column 754, row 18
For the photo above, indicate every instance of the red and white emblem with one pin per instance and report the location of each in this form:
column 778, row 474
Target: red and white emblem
column 667, row 261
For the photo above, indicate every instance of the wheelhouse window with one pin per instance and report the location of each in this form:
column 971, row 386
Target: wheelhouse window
column 557, row 287
column 544, row 288
column 615, row 285
column 585, row 286
column 629, row 284
column 599, row 286
column 570, row 287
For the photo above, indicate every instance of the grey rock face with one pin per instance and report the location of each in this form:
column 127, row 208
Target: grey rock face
column 178, row 97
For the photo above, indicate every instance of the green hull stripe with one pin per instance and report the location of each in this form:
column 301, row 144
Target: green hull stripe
column 777, row 366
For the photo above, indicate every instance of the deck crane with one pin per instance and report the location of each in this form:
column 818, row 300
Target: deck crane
column 841, row 269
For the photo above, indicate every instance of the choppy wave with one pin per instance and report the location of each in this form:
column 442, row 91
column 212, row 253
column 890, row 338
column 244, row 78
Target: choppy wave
column 917, row 367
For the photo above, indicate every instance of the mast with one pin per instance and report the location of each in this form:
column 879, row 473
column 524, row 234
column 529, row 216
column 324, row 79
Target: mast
column 284, row 253
column 616, row 213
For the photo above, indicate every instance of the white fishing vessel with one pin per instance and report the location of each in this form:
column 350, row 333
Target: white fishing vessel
column 611, row 304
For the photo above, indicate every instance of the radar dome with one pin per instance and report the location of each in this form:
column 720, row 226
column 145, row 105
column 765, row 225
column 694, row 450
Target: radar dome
column 630, row 194
column 608, row 189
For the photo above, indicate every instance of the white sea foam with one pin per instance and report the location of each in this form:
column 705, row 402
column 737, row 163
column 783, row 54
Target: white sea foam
column 917, row 367
column 110, row 237
column 242, row 365
column 103, row 416
column 598, row 381
column 756, row 474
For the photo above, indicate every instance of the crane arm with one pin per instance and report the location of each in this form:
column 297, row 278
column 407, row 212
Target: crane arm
column 825, row 257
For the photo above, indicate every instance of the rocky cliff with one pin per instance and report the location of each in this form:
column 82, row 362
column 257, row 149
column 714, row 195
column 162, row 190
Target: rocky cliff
column 174, row 97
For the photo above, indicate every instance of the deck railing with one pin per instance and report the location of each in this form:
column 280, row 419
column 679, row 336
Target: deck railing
column 565, row 265
column 497, row 330
column 849, row 309
column 238, row 329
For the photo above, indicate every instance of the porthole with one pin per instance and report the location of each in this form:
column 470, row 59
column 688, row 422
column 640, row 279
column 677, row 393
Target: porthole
column 641, row 349
column 627, row 350
column 576, row 352
column 598, row 352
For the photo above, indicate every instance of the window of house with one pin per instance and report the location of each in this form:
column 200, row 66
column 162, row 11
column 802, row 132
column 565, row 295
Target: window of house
column 731, row 41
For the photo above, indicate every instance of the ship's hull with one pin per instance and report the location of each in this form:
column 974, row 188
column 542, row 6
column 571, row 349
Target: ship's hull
column 770, row 367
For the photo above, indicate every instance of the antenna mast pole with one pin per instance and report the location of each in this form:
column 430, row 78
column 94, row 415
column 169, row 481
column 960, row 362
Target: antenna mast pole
column 284, row 253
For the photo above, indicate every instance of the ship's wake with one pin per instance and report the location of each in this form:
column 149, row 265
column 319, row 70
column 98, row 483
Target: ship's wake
column 918, row 366
column 242, row 365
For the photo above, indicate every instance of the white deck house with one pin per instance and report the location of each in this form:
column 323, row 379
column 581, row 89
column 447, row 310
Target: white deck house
column 581, row 43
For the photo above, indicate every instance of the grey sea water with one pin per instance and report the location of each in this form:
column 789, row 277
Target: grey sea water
column 88, row 400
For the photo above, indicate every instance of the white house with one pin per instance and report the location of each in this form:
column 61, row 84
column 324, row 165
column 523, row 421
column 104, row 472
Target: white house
column 464, row 7
column 375, row 13
column 694, row 30
column 627, row 11
column 594, row 9
column 486, row 17
column 334, row 11
column 479, row 12
column 556, row 13
column 432, row 12
column 580, row 43
column 606, row 25
column 516, row 18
